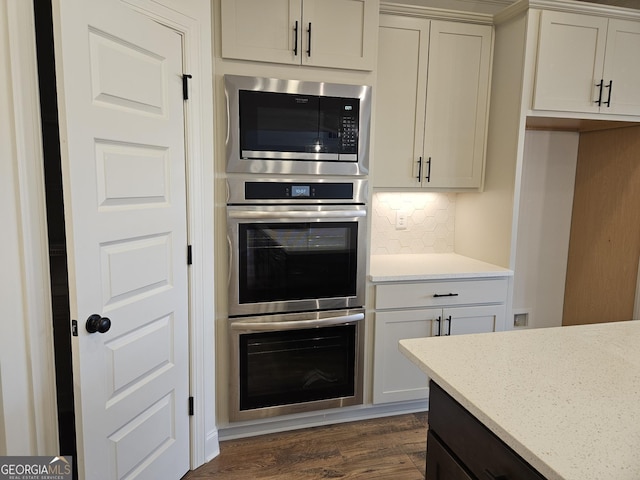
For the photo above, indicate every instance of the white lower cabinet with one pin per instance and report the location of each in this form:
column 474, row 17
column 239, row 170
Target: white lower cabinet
column 461, row 310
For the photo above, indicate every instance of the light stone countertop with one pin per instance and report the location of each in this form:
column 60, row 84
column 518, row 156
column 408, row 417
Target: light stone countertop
column 566, row 399
column 430, row 266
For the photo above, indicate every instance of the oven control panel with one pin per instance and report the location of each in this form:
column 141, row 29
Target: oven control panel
column 300, row 191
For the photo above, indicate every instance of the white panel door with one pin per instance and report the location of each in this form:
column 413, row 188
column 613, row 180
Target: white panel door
column 457, row 104
column 122, row 145
column 570, row 62
column 622, row 68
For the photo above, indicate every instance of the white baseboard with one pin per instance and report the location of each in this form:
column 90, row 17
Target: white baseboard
column 211, row 446
column 291, row 422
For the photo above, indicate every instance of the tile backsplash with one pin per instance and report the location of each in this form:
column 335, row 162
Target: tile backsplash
column 430, row 223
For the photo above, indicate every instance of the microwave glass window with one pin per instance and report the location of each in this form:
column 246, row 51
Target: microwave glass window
column 278, row 122
column 296, row 261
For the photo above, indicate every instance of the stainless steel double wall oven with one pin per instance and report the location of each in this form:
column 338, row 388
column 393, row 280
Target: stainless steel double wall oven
column 297, row 246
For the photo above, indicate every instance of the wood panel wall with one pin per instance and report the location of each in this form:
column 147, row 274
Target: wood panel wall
column 604, row 246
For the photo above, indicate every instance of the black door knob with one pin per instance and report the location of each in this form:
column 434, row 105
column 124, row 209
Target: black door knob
column 96, row 323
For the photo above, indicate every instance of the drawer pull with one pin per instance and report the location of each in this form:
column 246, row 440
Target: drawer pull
column 494, row 477
column 449, row 320
column 438, row 295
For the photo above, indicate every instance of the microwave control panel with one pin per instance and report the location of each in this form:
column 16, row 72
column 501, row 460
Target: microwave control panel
column 349, row 134
column 292, row 191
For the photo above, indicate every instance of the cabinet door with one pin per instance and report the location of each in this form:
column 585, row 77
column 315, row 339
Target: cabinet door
column 622, row 68
column 457, row 104
column 400, row 100
column 395, row 377
column 463, row 320
column 441, row 465
column 344, row 33
column 570, row 62
column 262, row 30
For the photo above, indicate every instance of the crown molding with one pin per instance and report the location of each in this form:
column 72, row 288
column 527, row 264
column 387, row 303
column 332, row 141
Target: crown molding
column 437, row 13
column 568, row 6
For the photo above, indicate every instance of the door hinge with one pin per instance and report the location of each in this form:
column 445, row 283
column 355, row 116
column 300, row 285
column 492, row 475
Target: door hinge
column 189, row 255
column 74, row 328
column 185, row 86
column 191, row 406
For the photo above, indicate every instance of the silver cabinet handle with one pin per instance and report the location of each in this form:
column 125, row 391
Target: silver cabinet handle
column 291, row 325
column 244, row 214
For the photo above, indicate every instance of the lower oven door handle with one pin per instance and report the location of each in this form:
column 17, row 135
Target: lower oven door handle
column 290, row 325
column 243, row 214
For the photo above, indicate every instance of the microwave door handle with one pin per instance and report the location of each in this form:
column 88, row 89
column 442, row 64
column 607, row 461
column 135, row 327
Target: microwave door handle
column 291, row 325
column 296, row 214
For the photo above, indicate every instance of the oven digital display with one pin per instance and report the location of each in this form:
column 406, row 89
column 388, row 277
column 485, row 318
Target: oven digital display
column 300, row 191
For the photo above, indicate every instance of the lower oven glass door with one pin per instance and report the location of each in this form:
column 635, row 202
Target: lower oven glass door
column 295, row 362
column 287, row 259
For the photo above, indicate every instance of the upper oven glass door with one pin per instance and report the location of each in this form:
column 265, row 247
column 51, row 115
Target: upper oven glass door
column 286, row 259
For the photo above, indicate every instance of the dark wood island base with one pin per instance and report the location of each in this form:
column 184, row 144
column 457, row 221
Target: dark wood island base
column 460, row 447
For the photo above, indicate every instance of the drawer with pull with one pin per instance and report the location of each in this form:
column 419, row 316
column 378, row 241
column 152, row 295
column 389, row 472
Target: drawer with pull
column 440, row 293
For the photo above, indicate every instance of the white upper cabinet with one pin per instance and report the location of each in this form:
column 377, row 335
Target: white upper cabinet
column 432, row 103
column 322, row 33
column 401, row 92
column 587, row 64
column 457, row 104
column 622, row 67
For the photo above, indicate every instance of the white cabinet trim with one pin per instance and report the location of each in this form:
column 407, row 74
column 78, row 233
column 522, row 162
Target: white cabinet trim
column 435, row 13
column 570, row 6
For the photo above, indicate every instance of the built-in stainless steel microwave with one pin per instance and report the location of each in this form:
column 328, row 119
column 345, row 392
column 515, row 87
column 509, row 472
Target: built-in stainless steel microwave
column 300, row 127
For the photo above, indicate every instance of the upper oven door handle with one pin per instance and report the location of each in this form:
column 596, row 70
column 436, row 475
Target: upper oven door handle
column 303, row 214
column 250, row 325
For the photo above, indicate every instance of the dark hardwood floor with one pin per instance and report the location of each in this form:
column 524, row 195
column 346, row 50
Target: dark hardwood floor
column 391, row 448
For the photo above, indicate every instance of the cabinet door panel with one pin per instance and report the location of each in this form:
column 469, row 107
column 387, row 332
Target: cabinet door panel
column 441, row 465
column 343, row 33
column 570, row 62
column 622, row 66
column 474, row 445
column 465, row 320
column 400, row 98
column 261, row 30
column 395, row 377
column 457, row 104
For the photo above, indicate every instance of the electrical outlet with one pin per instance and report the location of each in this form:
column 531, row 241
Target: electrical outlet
column 401, row 220
column 521, row 319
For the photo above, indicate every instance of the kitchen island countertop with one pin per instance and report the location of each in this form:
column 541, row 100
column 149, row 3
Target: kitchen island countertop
column 566, row 399
column 430, row 266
